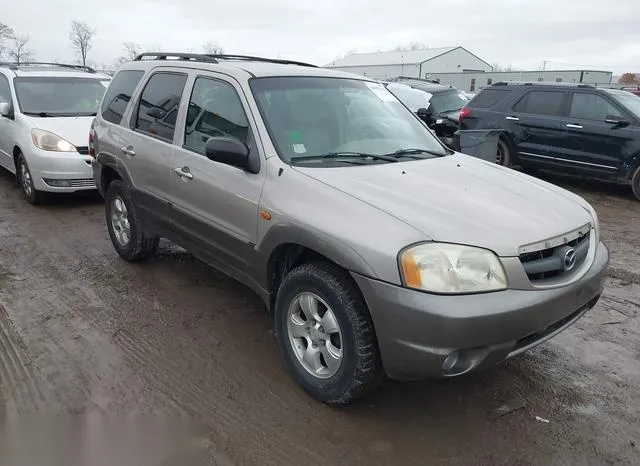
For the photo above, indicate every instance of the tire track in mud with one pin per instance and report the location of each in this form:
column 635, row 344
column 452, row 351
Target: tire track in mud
column 16, row 370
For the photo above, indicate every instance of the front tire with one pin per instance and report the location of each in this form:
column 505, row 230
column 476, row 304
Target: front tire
column 128, row 236
column 326, row 334
column 25, row 183
column 635, row 184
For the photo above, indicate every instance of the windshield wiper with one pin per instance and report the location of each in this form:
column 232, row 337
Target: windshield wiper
column 410, row 152
column 347, row 155
column 44, row 114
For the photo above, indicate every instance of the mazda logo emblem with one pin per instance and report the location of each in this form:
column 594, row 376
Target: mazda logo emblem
column 569, row 260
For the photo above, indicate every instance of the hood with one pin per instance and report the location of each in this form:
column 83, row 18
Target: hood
column 73, row 129
column 460, row 199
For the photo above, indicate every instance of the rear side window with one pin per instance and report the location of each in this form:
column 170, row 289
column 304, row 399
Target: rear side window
column 158, row 107
column 118, row 95
column 488, row 98
column 548, row 103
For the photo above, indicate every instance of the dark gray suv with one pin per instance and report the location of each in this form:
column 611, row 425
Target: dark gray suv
column 378, row 250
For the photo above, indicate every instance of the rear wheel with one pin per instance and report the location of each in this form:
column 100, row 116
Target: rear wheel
column 25, row 182
column 326, row 334
column 503, row 155
column 635, row 183
column 125, row 229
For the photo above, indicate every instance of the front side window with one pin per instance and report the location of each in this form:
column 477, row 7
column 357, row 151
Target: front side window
column 448, row 101
column 119, row 94
column 5, row 90
column 215, row 109
column 159, row 102
column 59, row 96
column 318, row 118
column 548, row 103
column 627, row 99
column 591, row 107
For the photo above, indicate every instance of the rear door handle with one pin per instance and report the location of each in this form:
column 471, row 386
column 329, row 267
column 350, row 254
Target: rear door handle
column 184, row 172
column 128, row 150
column 512, row 118
column 571, row 125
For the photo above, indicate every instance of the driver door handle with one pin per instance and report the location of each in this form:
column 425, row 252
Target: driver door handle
column 184, row 172
column 128, row 150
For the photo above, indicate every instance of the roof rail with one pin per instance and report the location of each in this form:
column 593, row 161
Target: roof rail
column 211, row 58
column 409, row 78
column 16, row 65
column 541, row 83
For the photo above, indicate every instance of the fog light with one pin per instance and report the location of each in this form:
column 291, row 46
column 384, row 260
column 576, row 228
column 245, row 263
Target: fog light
column 57, row 183
column 450, row 361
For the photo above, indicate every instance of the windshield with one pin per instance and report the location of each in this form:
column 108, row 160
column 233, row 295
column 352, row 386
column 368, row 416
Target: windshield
column 414, row 99
column 629, row 100
column 309, row 117
column 59, row 96
column 448, row 101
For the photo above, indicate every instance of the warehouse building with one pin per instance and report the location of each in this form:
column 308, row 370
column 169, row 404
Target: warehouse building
column 473, row 82
column 411, row 63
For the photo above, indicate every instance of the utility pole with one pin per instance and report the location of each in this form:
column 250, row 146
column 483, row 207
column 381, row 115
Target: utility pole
column 544, row 65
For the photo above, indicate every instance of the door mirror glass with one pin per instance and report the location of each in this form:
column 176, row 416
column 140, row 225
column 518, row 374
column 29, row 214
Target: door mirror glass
column 230, row 151
column 156, row 112
column 5, row 109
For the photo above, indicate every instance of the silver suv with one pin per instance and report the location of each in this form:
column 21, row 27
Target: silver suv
column 378, row 250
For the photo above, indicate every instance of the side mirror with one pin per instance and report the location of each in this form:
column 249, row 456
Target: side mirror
column 156, row 112
column 230, row 151
column 424, row 112
column 5, row 109
column 616, row 120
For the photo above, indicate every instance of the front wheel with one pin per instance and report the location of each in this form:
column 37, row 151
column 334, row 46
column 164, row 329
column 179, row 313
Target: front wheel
column 25, row 182
column 635, row 183
column 125, row 228
column 326, row 334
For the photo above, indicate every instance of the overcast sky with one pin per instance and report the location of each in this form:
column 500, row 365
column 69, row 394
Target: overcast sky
column 522, row 33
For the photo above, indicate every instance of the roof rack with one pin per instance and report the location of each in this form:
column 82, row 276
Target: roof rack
column 16, row 65
column 541, row 83
column 409, row 78
column 211, row 58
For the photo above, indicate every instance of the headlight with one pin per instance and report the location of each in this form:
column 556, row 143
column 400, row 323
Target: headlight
column 49, row 141
column 451, row 269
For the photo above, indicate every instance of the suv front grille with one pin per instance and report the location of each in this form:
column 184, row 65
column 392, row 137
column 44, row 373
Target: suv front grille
column 557, row 261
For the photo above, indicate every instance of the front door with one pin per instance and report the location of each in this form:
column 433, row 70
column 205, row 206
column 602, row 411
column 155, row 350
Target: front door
column 149, row 148
column 594, row 145
column 216, row 205
column 535, row 125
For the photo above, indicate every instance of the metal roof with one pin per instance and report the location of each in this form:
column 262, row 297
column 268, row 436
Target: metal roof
column 396, row 57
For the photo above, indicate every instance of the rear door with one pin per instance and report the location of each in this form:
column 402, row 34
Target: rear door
column 148, row 146
column 592, row 145
column 216, row 205
column 535, row 125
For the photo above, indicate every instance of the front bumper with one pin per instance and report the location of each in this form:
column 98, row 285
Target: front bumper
column 417, row 331
column 61, row 172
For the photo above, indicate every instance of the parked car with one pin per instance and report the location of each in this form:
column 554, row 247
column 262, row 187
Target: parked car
column 46, row 110
column 443, row 103
column 377, row 249
column 568, row 128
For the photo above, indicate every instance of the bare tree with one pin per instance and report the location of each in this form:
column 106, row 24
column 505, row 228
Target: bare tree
column 132, row 50
column 81, row 35
column 5, row 33
column 18, row 49
column 212, row 48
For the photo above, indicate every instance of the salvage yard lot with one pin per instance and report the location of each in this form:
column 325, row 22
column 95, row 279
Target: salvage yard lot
column 82, row 331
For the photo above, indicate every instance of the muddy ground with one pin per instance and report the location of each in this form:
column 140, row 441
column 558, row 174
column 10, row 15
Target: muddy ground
column 83, row 333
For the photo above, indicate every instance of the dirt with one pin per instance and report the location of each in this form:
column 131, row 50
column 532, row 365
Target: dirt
column 175, row 347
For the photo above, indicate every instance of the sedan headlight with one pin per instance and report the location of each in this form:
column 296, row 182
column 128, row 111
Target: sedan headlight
column 451, row 269
column 48, row 141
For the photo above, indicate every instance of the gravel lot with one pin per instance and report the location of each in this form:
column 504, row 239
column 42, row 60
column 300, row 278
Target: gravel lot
column 82, row 333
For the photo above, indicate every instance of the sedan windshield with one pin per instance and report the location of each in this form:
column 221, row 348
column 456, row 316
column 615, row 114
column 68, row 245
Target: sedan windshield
column 630, row 101
column 448, row 101
column 59, row 96
column 330, row 119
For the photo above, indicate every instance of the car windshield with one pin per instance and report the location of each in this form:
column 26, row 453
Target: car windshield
column 318, row 118
column 448, row 101
column 629, row 100
column 59, row 96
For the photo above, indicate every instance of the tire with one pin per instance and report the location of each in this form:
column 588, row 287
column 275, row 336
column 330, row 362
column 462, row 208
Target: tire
column 503, row 156
column 635, row 184
column 25, row 183
column 360, row 368
column 137, row 245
